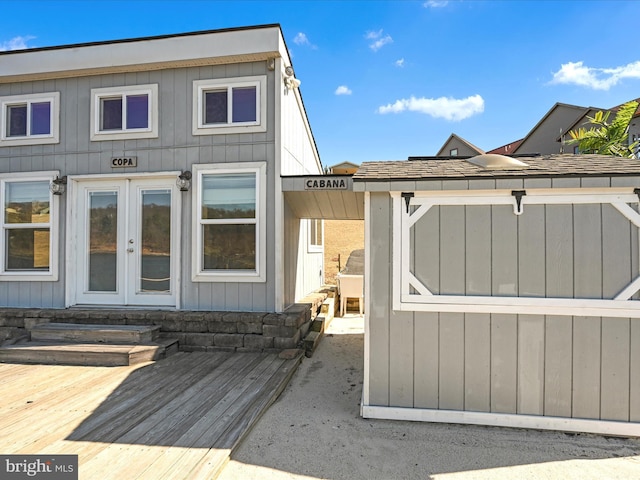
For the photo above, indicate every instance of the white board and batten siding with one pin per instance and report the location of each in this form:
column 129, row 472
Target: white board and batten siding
column 522, row 369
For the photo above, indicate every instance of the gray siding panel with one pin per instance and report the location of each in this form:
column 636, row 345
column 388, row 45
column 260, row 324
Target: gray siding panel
column 615, row 369
column 634, row 371
column 558, row 366
column 379, row 303
column 427, row 353
column 531, row 364
column 477, row 362
column 401, row 371
column 504, row 361
column 586, row 367
column 451, row 391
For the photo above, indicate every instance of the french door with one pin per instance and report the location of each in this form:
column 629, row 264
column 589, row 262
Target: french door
column 126, row 242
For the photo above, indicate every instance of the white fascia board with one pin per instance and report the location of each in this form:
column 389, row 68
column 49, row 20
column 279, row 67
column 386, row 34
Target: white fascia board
column 208, row 48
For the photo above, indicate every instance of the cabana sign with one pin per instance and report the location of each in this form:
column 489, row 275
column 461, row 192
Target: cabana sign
column 325, row 184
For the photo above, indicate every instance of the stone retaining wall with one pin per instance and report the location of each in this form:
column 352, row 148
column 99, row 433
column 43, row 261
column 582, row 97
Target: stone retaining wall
column 195, row 330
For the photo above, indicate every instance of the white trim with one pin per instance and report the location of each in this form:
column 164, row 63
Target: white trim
column 127, row 185
column 201, row 86
column 51, row 275
column 425, row 301
column 259, row 275
column 600, row 427
column 54, row 120
column 367, row 297
column 97, row 94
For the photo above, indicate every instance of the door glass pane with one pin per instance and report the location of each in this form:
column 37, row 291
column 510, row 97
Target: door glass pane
column 103, row 241
column 229, row 247
column 27, row 249
column 155, row 248
column 137, row 111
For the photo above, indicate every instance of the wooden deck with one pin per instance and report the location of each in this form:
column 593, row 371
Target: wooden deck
column 178, row 418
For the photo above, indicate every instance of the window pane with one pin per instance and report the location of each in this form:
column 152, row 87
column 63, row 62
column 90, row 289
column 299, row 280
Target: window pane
column 28, row 249
column 244, row 104
column 215, row 107
column 137, row 111
column 17, row 121
column 111, row 114
column 103, row 241
column 229, row 247
column 229, row 196
column 41, row 118
column 27, row 202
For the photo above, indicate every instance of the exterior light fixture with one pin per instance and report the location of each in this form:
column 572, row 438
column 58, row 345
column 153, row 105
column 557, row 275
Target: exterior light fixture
column 290, row 81
column 58, row 185
column 184, row 181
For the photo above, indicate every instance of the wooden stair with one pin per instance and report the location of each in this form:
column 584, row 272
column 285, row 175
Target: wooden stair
column 92, row 345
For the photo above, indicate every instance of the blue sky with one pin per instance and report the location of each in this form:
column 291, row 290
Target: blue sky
column 384, row 80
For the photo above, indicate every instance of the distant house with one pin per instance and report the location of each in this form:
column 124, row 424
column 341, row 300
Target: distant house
column 147, row 172
column 456, row 146
column 548, row 136
column 344, row 168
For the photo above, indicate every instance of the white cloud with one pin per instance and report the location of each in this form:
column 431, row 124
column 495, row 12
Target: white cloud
column 16, row 43
column 343, row 90
column 576, row 73
column 400, row 63
column 301, row 39
column 379, row 41
column 435, row 3
column 451, row 109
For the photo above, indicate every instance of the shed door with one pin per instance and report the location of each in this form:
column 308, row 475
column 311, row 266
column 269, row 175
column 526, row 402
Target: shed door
column 126, row 242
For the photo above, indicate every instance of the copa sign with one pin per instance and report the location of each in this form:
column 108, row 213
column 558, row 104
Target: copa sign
column 121, row 162
column 326, row 184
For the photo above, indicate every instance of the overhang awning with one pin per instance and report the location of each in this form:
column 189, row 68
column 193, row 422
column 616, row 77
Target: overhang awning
column 330, row 197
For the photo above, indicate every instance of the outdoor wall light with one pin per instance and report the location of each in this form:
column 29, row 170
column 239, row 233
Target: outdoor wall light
column 184, row 181
column 290, row 81
column 58, row 185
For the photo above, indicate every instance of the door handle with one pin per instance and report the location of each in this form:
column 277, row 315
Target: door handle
column 130, row 250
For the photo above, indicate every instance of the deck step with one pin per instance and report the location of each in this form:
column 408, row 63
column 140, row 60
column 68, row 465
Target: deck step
column 82, row 333
column 90, row 354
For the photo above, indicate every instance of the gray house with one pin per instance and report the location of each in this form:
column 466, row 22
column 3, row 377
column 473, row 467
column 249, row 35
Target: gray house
column 146, row 172
column 503, row 291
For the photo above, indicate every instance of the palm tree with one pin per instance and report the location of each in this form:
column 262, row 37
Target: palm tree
column 607, row 138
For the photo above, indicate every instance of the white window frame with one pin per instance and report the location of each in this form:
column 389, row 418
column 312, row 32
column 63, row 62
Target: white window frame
column 50, row 275
column 202, row 86
column 312, row 247
column 201, row 275
column 52, row 137
column 97, row 94
column 409, row 294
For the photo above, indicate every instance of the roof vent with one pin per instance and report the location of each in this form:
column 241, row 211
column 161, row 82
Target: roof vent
column 492, row 161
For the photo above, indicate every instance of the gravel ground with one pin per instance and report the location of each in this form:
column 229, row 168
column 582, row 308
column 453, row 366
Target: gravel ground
column 314, row 431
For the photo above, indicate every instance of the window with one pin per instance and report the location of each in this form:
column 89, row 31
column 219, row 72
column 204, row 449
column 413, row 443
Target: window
column 453, row 152
column 230, row 222
column 121, row 113
column 316, row 235
column 229, row 106
column 29, row 237
column 30, row 119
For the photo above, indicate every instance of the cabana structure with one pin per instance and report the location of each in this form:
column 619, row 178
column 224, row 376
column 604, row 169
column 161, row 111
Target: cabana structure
column 503, row 291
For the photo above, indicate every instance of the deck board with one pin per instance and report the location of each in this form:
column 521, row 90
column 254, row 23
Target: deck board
column 177, row 418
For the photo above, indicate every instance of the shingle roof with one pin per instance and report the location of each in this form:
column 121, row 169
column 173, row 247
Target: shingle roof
column 557, row 165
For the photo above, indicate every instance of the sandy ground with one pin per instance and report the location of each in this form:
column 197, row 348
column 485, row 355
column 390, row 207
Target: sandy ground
column 314, row 431
column 341, row 237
